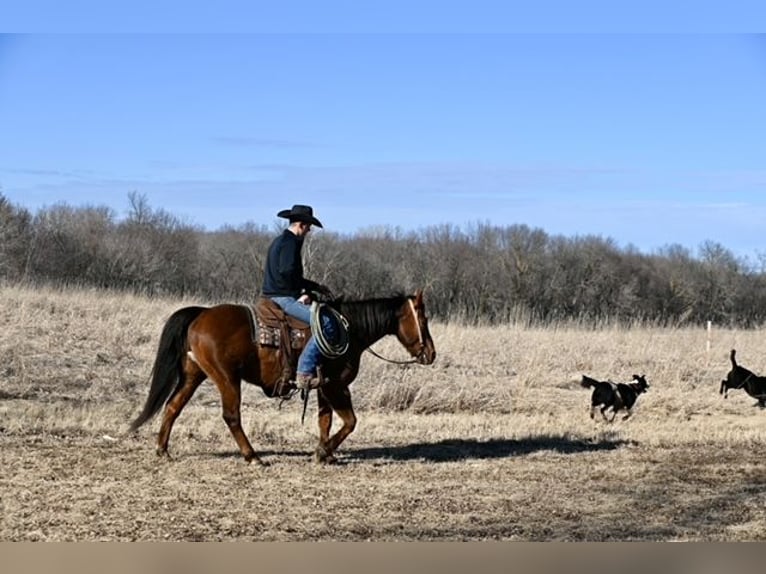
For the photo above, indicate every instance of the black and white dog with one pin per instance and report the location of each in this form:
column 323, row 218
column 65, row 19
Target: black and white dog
column 741, row 378
column 617, row 396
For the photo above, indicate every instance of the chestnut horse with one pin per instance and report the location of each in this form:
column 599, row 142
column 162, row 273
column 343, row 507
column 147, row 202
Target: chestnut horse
column 218, row 343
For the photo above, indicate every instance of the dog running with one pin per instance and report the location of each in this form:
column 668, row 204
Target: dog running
column 617, row 396
column 741, row 378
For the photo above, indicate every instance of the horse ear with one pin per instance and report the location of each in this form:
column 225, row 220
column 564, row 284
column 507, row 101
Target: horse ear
column 418, row 297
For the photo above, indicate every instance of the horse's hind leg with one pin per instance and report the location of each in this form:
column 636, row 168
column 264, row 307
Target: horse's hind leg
column 329, row 400
column 193, row 376
column 228, row 380
column 231, row 399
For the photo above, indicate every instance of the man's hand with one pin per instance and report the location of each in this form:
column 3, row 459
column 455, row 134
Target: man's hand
column 304, row 299
column 325, row 290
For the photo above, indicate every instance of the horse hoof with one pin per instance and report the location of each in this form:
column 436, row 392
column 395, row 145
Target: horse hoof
column 256, row 459
column 322, row 456
column 329, row 459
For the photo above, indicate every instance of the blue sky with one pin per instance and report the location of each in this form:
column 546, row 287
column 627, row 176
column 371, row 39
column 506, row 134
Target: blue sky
column 636, row 130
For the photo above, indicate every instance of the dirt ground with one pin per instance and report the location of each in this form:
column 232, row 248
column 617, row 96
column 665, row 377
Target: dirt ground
column 488, row 445
column 389, row 485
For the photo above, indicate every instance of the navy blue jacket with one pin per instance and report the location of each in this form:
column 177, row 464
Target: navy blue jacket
column 283, row 272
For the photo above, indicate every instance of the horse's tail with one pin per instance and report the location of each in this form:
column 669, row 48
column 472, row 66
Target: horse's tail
column 166, row 372
column 733, row 358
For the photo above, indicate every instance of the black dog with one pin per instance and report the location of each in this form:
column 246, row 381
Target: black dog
column 742, row 378
column 618, row 396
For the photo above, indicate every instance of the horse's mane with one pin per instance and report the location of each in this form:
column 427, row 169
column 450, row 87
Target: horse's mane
column 373, row 315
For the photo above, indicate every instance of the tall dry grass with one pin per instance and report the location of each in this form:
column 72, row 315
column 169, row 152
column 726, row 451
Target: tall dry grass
column 492, row 441
column 76, row 347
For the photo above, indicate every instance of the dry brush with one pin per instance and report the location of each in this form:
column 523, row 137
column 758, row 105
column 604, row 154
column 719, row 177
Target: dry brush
column 491, row 442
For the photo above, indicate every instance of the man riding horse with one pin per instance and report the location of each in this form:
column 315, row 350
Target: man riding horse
column 284, row 283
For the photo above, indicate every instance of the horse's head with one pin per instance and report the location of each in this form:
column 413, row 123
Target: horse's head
column 413, row 332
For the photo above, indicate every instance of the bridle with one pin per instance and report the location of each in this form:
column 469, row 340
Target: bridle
column 421, row 342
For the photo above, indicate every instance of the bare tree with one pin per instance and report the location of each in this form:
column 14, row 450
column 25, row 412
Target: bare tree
column 482, row 274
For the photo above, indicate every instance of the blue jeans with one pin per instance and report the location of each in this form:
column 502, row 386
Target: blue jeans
column 311, row 355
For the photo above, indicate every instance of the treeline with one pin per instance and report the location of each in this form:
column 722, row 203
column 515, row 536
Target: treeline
column 485, row 274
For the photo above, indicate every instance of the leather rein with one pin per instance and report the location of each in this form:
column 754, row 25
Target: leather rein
column 420, row 340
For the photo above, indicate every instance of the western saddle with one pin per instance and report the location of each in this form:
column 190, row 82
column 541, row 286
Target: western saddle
column 286, row 334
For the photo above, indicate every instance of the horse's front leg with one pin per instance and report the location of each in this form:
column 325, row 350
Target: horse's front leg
column 321, row 454
column 329, row 400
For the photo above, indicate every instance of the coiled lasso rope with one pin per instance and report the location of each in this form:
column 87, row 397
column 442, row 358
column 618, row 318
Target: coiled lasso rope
column 328, row 348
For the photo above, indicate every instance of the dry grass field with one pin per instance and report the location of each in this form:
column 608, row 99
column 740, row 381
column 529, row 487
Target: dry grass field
column 492, row 442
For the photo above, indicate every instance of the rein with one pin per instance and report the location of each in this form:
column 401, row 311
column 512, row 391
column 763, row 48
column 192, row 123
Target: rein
column 392, row 361
column 420, row 340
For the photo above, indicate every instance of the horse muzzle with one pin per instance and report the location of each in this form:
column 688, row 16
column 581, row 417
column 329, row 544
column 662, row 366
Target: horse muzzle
column 426, row 356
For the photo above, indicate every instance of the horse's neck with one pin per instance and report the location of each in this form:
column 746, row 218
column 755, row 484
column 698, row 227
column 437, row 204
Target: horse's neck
column 371, row 321
column 370, row 339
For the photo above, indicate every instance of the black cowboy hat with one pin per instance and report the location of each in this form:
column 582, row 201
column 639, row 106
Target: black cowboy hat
column 302, row 213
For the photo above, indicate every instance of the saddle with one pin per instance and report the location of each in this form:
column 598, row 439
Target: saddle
column 286, row 334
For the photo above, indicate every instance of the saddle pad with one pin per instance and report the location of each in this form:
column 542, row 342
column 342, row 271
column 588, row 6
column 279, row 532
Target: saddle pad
column 270, row 336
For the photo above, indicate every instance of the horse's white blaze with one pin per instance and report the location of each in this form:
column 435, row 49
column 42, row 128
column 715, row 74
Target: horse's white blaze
column 417, row 322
